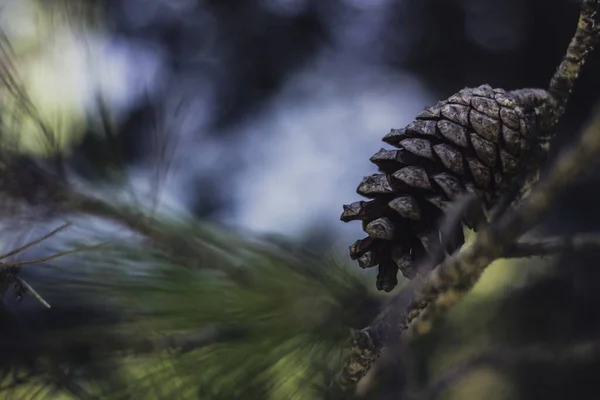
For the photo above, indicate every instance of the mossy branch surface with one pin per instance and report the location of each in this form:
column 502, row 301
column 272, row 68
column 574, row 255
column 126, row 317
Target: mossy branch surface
column 583, row 42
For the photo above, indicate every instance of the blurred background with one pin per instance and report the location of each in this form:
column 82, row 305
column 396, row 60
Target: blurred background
column 262, row 115
column 272, row 108
column 275, row 106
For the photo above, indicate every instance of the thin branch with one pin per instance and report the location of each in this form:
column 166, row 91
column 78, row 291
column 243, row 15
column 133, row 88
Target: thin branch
column 583, row 42
column 18, row 264
column 37, row 241
column 551, row 246
column 10, row 268
column 26, row 288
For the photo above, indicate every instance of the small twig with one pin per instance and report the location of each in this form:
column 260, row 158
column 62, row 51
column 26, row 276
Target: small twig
column 12, row 267
column 18, row 264
column 35, row 242
column 32, row 291
column 550, row 246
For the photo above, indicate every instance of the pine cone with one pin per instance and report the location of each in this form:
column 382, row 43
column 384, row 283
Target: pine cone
column 473, row 142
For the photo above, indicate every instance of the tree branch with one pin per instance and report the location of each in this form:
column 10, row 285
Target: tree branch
column 447, row 284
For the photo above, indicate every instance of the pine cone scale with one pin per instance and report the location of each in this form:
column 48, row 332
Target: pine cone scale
column 450, row 157
column 485, row 126
column 374, row 185
column 413, row 176
column 484, row 149
column 418, row 147
column 454, row 133
column 486, row 106
column 481, row 175
column 456, row 113
column 407, row 207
